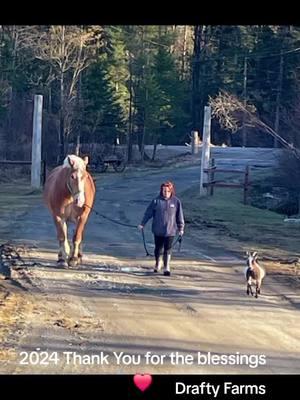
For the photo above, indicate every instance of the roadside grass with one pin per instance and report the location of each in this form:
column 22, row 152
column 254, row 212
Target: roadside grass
column 228, row 224
column 14, row 305
column 16, row 198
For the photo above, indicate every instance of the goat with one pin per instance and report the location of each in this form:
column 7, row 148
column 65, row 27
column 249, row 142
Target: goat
column 254, row 272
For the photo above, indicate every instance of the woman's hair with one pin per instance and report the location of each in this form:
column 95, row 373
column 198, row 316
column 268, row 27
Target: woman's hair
column 169, row 185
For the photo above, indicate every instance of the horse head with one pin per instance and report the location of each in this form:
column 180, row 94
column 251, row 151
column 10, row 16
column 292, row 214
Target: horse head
column 76, row 177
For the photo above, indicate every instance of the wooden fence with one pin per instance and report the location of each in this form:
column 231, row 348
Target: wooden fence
column 16, row 162
column 212, row 183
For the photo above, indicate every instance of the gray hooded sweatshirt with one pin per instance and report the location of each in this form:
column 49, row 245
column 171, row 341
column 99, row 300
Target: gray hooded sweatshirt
column 167, row 216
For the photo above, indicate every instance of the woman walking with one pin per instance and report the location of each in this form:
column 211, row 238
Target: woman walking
column 166, row 211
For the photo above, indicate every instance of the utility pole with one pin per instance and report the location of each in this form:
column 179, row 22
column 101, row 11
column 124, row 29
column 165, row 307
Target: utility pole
column 205, row 150
column 195, row 142
column 244, row 133
column 278, row 97
column 36, row 150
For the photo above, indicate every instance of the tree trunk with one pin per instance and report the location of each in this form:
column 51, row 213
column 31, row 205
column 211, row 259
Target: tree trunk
column 183, row 55
column 129, row 137
column 154, row 151
column 197, row 96
column 244, row 131
column 278, row 98
column 62, row 103
column 61, row 140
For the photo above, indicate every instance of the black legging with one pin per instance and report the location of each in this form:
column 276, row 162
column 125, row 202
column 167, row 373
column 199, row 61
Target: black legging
column 162, row 242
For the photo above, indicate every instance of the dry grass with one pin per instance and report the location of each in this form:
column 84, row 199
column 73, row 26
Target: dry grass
column 15, row 199
column 14, row 305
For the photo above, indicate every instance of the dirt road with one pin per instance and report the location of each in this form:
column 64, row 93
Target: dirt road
column 199, row 320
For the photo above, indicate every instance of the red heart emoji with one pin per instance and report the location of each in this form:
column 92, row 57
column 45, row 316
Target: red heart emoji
column 142, row 381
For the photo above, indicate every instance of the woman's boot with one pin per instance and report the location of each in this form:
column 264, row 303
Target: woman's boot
column 167, row 259
column 158, row 263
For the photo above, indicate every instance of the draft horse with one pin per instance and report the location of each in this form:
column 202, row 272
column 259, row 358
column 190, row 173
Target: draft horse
column 69, row 194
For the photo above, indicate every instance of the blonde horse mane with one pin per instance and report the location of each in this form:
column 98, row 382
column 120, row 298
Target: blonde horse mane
column 77, row 162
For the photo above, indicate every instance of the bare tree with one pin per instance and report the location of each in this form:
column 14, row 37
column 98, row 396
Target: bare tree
column 68, row 50
column 15, row 37
column 231, row 113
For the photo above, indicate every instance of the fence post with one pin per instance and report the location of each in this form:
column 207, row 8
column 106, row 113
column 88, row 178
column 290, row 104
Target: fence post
column 77, row 148
column 43, row 172
column 246, row 183
column 195, row 142
column 212, row 176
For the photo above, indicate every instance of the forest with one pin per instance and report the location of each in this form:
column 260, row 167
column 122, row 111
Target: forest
column 144, row 84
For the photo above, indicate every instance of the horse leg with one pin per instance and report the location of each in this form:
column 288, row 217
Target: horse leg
column 64, row 248
column 77, row 242
column 80, row 253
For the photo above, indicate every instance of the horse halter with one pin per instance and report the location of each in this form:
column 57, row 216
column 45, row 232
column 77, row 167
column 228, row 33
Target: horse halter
column 71, row 191
column 73, row 194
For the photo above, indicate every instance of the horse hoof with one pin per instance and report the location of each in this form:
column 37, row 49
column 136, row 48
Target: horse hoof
column 73, row 262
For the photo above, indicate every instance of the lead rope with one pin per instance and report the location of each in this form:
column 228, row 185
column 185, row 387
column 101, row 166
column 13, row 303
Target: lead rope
column 179, row 238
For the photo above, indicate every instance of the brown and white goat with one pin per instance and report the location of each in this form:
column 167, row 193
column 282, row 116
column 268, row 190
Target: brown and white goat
column 254, row 272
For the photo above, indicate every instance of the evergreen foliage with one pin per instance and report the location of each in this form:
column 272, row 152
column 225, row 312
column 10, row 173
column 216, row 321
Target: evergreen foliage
column 148, row 83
